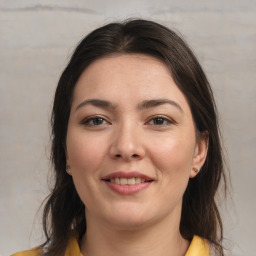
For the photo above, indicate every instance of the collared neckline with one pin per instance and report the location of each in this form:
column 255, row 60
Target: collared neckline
column 198, row 246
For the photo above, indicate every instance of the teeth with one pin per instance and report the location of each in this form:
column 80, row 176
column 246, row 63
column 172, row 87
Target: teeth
column 123, row 181
column 130, row 181
column 139, row 180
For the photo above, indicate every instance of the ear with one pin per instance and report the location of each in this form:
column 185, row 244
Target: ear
column 200, row 153
column 68, row 168
column 67, row 157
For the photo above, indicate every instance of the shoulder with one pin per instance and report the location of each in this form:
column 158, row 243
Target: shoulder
column 71, row 249
column 33, row 252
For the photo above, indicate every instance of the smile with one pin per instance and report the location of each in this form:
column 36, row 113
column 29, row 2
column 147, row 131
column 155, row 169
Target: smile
column 126, row 183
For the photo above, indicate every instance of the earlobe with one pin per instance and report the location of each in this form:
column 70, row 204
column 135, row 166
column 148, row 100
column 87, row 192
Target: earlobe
column 200, row 154
column 193, row 172
column 68, row 168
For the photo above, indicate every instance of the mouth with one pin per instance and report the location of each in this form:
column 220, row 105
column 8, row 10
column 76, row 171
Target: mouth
column 127, row 182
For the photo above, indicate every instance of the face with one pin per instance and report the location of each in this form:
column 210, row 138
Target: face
column 131, row 143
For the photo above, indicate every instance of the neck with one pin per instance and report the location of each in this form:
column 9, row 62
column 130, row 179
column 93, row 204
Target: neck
column 159, row 239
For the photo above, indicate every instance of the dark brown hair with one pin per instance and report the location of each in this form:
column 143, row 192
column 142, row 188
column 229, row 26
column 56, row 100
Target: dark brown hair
column 64, row 212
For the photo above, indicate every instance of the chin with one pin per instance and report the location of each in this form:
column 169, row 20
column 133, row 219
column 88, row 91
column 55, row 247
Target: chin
column 129, row 219
column 128, row 224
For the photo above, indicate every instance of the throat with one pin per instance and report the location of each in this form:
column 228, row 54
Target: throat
column 133, row 243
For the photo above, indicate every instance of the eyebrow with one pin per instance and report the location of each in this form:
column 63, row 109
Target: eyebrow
column 143, row 105
column 97, row 103
column 158, row 102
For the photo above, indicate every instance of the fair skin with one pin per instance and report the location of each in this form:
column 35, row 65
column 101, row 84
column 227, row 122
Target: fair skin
column 129, row 122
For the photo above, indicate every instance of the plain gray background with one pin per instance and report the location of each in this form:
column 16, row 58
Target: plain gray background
column 36, row 41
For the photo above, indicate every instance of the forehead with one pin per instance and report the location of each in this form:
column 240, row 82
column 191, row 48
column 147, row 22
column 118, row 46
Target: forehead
column 133, row 65
column 128, row 77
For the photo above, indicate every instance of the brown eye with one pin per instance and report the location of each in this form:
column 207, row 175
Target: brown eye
column 94, row 121
column 160, row 121
column 97, row 121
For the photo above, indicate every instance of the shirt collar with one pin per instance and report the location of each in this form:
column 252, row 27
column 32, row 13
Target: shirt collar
column 198, row 246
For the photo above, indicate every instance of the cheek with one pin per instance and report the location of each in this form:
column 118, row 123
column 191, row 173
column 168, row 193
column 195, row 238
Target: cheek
column 173, row 157
column 85, row 156
column 84, row 152
column 172, row 161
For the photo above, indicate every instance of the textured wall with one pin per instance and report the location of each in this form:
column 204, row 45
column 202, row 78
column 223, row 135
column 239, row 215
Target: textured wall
column 36, row 40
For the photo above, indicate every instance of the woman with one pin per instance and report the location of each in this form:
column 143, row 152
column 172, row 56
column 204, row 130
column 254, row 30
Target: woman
column 135, row 148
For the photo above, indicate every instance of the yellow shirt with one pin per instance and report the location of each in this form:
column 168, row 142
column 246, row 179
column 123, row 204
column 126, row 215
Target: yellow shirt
column 198, row 247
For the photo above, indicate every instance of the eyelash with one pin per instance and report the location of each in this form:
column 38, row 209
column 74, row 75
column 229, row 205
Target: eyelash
column 87, row 121
column 167, row 121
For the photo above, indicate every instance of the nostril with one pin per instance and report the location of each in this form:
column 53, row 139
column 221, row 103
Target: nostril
column 132, row 156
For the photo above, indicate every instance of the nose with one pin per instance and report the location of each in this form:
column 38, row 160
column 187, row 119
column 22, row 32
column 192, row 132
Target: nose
column 127, row 143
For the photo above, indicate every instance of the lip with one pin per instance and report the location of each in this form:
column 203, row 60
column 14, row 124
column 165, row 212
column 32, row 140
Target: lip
column 127, row 189
column 127, row 175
